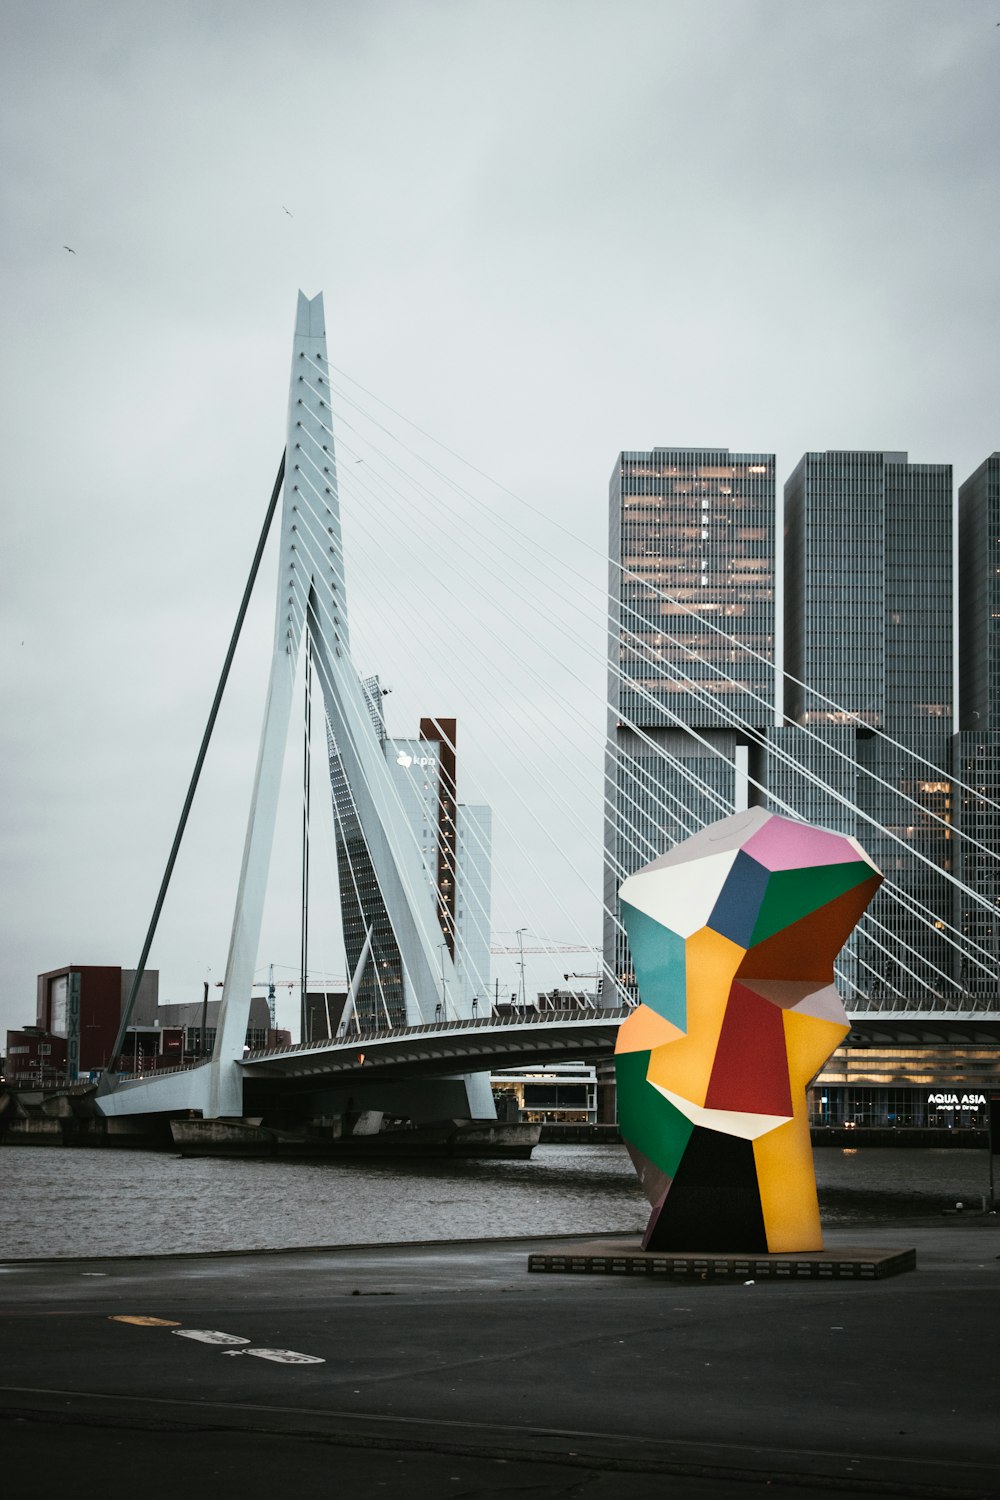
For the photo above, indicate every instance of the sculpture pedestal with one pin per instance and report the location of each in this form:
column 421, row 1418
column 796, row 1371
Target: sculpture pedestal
column 624, row 1257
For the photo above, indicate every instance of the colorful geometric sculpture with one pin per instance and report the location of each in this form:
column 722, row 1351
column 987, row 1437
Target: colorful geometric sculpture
column 733, row 935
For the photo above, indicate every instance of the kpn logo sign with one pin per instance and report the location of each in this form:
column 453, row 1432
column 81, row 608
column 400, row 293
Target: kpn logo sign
column 406, row 760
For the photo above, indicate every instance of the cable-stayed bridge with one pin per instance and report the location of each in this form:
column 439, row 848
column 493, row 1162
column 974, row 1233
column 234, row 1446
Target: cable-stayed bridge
column 553, row 622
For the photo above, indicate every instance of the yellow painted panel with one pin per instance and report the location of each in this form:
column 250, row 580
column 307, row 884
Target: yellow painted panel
column 644, row 1030
column 809, row 1041
column 685, row 1066
column 787, row 1184
column 786, row 1176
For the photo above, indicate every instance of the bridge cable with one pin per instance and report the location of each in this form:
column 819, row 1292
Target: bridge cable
column 107, row 1082
column 799, row 769
column 722, row 807
column 430, row 628
column 306, row 800
column 323, row 607
column 310, row 508
column 578, row 540
column 740, row 686
column 785, row 757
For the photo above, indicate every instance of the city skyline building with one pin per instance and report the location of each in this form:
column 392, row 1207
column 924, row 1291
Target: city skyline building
column 380, row 999
column 977, row 743
column 455, row 845
column 867, row 742
column 77, row 1012
column 869, row 674
column 691, row 539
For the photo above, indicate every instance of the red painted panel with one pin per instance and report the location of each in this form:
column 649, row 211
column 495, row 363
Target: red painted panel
column 750, row 1071
column 806, row 950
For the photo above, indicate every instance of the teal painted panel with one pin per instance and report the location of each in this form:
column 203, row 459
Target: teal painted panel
column 660, row 971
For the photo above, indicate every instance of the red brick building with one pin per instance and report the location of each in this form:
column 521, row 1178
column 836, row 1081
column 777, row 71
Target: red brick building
column 77, row 1013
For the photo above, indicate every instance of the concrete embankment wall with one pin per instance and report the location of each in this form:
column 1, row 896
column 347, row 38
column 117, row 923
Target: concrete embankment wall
column 862, row 1135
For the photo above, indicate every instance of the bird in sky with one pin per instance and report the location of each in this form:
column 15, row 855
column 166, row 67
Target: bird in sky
column 70, row 249
column 287, row 211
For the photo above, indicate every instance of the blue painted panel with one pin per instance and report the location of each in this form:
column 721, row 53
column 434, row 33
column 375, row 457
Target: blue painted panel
column 740, row 900
column 658, row 957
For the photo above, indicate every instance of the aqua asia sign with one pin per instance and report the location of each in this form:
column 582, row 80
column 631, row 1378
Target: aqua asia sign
column 956, row 1101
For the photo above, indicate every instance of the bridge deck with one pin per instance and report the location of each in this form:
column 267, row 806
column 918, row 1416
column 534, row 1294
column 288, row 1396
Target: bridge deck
column 477, row 1044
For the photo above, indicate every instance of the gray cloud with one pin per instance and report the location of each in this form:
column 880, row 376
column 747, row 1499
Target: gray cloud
column 545, row 231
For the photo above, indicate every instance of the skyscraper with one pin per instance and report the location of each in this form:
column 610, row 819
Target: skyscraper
column 691, row 547
column 454, row 841
column 381, row 1000
column 977, row 746
column 868, row 661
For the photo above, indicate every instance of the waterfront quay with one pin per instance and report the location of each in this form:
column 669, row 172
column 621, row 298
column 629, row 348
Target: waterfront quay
column 447, row 1368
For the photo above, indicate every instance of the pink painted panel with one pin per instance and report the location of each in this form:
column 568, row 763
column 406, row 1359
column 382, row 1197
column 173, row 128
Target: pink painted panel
column 785, row 845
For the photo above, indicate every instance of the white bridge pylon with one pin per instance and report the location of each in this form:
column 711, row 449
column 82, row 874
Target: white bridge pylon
column 311, row 602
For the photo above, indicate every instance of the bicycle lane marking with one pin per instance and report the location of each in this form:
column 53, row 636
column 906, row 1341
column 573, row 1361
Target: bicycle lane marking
column 229, row 1342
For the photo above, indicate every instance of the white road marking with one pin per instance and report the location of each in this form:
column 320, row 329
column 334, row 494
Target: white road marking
column 208, row 1336
column 281, row 1356
column 229, row 1340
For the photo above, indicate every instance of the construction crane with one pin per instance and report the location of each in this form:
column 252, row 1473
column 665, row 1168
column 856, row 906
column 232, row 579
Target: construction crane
column 286, row 984
column 551, row 948
column 272, row 1001
column 521, row 950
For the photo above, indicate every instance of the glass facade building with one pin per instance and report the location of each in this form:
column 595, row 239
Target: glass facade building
column 381, row 998
column 977, row 747
column 691, row 546
column 868, row 626
column 454, row 843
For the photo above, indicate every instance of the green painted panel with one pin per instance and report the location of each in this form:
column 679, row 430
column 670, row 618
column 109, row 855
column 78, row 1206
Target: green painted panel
column 647, row 1121
column 658, row 958
column 792, row 894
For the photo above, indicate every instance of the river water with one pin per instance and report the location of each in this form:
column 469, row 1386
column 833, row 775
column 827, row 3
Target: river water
column 61, row 1201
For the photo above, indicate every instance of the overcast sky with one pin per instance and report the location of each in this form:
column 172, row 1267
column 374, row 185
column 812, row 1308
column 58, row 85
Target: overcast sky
column 546, row 230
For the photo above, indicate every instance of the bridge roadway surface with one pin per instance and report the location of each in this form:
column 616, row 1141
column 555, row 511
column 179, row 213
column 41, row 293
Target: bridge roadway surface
column 451, row 1371
column 491, row 1042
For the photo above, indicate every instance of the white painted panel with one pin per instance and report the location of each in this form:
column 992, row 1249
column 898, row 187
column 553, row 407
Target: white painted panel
column 681, row 897
column 728, row 1121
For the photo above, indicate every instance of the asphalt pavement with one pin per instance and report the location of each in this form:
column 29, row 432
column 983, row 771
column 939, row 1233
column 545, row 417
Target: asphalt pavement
column 448, row 1369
